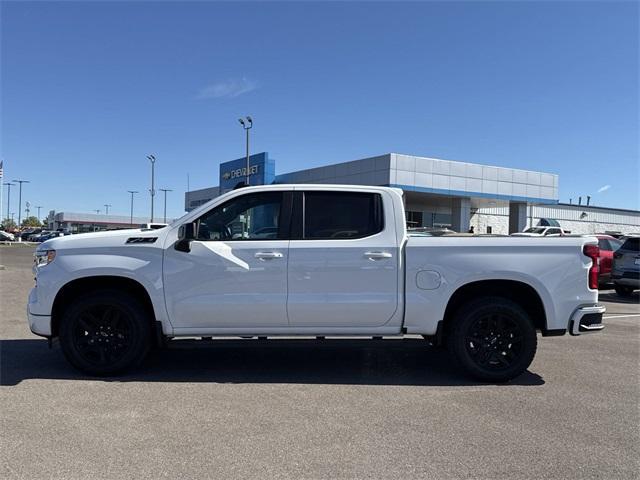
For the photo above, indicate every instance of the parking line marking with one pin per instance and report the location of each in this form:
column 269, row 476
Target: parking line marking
column 620, row 316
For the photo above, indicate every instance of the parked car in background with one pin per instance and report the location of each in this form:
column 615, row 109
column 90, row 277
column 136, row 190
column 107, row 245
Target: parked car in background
column 6, row 236
column 625, row 271
column 608, row 246
column 48, row 235
column 540, row 232
column 36, row 237
column 27, row 234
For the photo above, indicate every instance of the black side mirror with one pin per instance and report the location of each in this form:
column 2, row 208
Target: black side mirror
column 186, row 233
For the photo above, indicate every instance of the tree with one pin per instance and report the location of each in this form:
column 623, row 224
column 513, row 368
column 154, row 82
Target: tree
column 31, row 221
column 8, row 224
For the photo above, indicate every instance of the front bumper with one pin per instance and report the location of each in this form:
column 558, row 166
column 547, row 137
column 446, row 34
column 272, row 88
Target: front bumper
column 39, row 324
column 587, row 320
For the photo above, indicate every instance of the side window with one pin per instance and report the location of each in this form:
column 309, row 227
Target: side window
column 248, row 217
column 603, row 243
column 340, row 215
column 552, row 231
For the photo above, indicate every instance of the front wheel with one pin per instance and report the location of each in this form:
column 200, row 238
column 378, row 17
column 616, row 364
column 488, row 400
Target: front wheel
column 105, row 332
column 492, row 339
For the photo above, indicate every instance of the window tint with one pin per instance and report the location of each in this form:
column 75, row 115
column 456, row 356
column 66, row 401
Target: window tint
column 603, row 243
column 249, row 217
column 632, row 244
column 337, row 215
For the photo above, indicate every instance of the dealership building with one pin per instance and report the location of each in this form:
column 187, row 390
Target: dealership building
column 79, row 222
column 437, row 193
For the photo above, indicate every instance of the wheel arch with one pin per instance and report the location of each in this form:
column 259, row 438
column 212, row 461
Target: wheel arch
column 80, row 286
column 519, row 292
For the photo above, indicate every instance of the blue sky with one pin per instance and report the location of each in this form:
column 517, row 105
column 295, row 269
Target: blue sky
column 89, row 89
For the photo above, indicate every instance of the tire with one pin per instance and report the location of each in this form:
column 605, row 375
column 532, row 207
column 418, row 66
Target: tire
column 623, row 290
column 505, row 339
column 105, row 332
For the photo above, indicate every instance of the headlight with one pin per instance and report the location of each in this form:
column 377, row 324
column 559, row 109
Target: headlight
column 44, row 257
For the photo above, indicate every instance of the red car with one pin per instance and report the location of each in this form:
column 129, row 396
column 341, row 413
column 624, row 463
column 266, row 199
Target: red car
column 608, row 245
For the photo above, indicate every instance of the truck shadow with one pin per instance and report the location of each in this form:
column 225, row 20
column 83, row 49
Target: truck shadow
column 340, row 362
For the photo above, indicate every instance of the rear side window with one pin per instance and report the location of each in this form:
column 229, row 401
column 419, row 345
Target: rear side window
column 603, row 243
column 632, row 244
column 341, row 215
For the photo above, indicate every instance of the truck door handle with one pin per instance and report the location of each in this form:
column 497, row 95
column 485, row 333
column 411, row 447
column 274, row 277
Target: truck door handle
column 268, row 255
column 377, row 255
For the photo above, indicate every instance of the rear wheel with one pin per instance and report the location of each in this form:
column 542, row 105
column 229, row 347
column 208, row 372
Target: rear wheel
column 105, row 332
column 493, row 339
column 623, row 290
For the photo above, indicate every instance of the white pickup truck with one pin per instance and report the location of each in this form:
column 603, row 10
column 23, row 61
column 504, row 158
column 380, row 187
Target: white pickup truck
column 311, row 260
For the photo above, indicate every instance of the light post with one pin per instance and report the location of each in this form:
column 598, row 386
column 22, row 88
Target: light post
column 8, row 184
column 132, row 192
column 20, row 199
column 165, row 190
column 152, row 159
column 97, row 210
column 106, row 206
column 248, row 125
column 38, row 207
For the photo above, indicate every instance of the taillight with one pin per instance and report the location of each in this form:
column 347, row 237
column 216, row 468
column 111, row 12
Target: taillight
column 593, row 252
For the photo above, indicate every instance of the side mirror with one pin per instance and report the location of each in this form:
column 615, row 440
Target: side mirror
column 186, row 233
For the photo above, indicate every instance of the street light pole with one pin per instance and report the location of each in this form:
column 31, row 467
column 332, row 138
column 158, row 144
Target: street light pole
column 132, row 192
column 165, row 190
column 152, row 159
column 8, row 184
column 106, row 206
column 247, row 124
column 20, row 199
column 38, row 207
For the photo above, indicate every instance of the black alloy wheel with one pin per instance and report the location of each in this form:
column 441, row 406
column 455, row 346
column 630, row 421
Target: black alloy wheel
column 105, row 332
column 492, row 339
column 102, row 334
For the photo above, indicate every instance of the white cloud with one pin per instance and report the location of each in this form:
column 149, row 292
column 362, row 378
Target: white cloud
column 228, row 89
column 604, row 188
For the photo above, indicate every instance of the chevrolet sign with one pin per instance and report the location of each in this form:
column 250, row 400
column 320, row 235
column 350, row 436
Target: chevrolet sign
column 240, row 172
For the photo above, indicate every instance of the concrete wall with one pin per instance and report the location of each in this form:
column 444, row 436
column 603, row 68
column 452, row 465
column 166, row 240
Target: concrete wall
column 577, row 219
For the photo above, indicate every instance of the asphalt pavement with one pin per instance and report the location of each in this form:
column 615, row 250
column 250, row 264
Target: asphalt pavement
column 318, row 409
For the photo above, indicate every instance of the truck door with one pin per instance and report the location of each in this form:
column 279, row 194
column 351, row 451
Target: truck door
column 235, row 275
column 343, row 260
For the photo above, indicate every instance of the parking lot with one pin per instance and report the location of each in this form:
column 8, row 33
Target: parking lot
column 318, row 409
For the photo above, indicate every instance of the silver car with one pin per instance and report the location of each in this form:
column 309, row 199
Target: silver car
column 625, row 270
